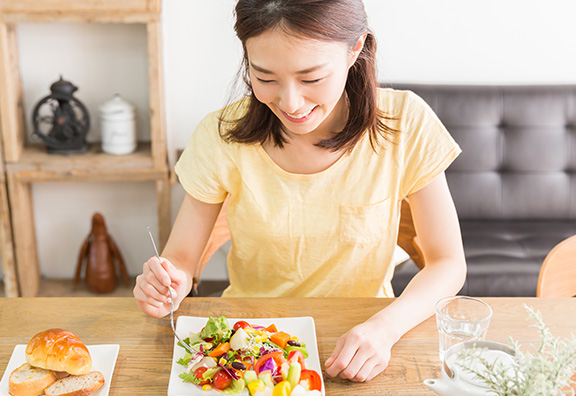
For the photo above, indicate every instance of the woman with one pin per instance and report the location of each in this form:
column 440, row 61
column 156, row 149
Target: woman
column 316, row 160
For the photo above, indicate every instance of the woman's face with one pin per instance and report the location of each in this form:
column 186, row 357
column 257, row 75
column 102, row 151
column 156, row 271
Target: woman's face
column 301, row 80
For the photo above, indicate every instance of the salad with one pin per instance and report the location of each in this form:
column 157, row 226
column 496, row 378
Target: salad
column 262, row 360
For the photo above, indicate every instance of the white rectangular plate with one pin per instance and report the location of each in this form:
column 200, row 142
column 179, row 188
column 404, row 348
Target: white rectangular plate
column 103, row 360
column 301, row 327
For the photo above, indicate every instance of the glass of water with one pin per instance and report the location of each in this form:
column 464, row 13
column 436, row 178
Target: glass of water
column 460, row 319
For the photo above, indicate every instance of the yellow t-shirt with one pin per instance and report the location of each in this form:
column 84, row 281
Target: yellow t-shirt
column 331, row 233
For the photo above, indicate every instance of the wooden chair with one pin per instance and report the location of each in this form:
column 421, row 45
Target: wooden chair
column 407, row 239
column 558, row 272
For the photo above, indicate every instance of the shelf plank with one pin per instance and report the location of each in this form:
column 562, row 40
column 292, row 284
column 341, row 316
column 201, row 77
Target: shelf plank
column 11, row 103
column 6, row 243
column 6, row 240
column 36, row 165
column 24, row 236
column 36, row 155
column 14, row 18
column 155, row 73
column 163, row 208
column 111, row 6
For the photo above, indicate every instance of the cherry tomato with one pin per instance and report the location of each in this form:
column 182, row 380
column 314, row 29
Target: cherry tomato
column 240, row 325
column 198, row 373
column 314, row 381
column 221, row 380
column 297, row 356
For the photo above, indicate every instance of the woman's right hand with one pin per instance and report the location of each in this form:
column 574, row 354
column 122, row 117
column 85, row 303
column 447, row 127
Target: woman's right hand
column 151, row 290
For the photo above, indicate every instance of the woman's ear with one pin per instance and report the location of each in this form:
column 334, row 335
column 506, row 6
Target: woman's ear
column 357, row 49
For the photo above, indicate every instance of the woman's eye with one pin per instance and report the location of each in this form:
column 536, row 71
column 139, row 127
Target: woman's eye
column 264, row 81
column 311, row 81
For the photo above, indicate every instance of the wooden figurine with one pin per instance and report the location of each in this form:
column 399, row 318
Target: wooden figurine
column 99, row 252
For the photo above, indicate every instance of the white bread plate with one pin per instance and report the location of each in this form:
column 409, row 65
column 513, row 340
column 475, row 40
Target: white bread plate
column 103, row 360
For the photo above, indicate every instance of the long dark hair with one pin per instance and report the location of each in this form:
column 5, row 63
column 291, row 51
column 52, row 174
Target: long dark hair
column 326, row 20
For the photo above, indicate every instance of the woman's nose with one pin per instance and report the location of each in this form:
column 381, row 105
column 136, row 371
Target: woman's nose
column 291, row 99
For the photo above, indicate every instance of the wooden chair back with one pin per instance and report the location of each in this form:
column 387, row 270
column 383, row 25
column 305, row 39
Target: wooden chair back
column 558, row 272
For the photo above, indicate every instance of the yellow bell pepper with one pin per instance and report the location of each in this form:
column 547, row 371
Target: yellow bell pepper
column 282, row 389
column 255, row 386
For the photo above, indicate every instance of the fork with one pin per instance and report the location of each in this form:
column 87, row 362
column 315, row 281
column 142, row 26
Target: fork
column 171, row 299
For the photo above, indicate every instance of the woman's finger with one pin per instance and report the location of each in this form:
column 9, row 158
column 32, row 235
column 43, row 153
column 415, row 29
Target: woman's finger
column 176, row 276
column 143, row 297
column 148, row 305
column 361, row 373
column 149, row 277
column 337, row 349
column 178, row 279
column 159, row 271
column 344, row 356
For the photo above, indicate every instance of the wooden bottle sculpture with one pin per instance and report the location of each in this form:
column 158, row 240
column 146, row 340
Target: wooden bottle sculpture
column 99, row 252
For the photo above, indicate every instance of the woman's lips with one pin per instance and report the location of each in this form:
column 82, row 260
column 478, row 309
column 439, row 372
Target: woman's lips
column 300, row 118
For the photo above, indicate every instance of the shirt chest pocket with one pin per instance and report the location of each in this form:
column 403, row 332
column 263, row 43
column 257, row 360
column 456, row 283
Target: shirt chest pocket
column 364, row 225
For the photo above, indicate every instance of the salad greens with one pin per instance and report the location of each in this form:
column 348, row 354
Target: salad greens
column 217, row 329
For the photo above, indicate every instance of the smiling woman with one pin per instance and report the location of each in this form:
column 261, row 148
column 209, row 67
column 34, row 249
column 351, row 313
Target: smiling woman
column 315, row 160
column 302, row 83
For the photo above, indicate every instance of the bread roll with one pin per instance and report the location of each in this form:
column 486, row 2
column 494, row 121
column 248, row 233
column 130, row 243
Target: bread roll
column 81, row 385
column 30, row 381
column 59, row 350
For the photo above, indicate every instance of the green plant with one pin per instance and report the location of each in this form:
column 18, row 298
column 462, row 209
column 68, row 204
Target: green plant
column 545, row 370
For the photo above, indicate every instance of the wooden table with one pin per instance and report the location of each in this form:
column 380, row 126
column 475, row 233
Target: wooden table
column 146, row 344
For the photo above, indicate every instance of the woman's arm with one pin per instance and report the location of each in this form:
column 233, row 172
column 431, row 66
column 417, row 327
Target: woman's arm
column 180, row 258
column 359, row 355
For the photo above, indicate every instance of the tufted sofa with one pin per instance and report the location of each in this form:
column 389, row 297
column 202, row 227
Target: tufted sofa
column 514, row 185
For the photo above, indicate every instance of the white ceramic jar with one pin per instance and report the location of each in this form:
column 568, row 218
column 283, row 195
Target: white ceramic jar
column 118, row 126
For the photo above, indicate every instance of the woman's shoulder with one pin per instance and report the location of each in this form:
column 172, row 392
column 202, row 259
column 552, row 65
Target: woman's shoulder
column 228, row 113
column 397, row 99
column 213, row 125
column 404, row 106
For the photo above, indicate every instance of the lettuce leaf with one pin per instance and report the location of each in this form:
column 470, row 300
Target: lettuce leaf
column 218, row 329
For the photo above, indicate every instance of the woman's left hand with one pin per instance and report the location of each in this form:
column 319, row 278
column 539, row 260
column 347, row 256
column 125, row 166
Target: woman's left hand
column 362, row 353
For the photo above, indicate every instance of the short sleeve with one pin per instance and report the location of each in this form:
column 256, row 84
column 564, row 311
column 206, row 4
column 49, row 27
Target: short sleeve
column 428, row 147
column 203, row 165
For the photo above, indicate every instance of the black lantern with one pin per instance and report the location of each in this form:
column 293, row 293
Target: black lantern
column 61, row 121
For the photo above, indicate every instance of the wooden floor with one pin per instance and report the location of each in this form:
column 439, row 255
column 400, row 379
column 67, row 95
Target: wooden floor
column 66, row 288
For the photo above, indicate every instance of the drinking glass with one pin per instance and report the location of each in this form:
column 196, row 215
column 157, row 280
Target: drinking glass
column 461, row 318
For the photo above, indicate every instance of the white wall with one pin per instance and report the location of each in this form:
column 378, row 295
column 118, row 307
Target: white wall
column 442, row 41
column 475, row 41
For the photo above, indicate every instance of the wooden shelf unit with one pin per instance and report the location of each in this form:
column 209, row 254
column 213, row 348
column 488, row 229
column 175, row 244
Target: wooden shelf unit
column 6, row 240
column 26, row 164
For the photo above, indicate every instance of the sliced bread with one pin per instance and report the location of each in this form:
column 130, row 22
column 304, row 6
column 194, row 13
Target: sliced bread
column 27, row 380
column 76, row 385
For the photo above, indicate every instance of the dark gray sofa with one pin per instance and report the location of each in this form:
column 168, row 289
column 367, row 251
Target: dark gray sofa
column 514, row 185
